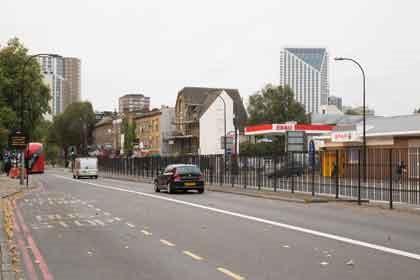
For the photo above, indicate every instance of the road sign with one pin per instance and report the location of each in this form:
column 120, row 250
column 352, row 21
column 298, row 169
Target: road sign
column 295, row 141
column 17, row 140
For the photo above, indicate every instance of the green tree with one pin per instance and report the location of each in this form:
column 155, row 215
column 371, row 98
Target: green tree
column 129, row 131
column 352, row 112
column 73, row 128
column 52, row 153
column 41, row 131
column 35, row 94
column 275, row 104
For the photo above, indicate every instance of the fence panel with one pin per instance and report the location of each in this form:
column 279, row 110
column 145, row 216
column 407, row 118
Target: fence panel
column 339, row 173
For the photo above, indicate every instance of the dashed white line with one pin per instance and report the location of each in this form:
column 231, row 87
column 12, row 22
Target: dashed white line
column 145, row 232
column 63, row 224
column 90, row 205
column 91, row 222
column 98, row 209
column 130, row 225
column 167, row 243
column 99, row 222
column 260, row 220
column 194, row 256
column 107, row 214
column 78, row 223
column 117, row 219
column 230, row 273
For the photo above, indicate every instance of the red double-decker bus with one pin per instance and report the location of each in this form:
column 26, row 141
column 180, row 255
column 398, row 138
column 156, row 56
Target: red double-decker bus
column 36, row 158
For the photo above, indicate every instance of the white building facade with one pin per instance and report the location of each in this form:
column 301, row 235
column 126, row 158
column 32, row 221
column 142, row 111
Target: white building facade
column 305, row 71
column 52, row 68
column 212, row 125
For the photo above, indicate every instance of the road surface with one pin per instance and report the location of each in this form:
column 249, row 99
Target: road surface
column 111, row 229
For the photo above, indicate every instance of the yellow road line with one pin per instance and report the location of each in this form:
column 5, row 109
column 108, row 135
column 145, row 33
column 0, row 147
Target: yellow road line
column 195, row 257
column 230, row 273
column 145, row 232
column 166, row 242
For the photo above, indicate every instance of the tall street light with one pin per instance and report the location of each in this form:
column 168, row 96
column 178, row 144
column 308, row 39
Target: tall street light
column 22, row 92
column 224, row 139
column 364, row 117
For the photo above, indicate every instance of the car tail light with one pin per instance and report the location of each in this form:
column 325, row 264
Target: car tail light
column 176, row 177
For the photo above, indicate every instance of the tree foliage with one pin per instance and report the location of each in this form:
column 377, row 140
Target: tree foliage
column 262, row 149
column 129, row 131
column 275, row 104
column 15, row 86
column 352, row 112
column 73, row 127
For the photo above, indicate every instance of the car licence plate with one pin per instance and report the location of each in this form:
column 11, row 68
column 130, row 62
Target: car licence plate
column 189, row 184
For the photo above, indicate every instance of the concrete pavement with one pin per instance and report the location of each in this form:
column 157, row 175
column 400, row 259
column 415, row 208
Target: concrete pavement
column 109, row 229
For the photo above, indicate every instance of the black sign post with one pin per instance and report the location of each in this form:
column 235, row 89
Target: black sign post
column 17, row 140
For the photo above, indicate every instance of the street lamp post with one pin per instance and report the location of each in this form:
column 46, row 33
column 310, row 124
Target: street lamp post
column 364, row 119
column 224, row 139
column 22, row 92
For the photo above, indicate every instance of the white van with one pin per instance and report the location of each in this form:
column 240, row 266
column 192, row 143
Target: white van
column 85, row 167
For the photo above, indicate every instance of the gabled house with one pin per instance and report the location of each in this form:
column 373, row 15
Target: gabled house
column 199, row 114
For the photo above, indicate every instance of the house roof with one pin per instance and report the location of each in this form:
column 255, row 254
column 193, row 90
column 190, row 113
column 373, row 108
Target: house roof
column 396, row 125
column 204, row 97
column 385, row 126
column 148, row 114
column 104, row 121
column 335, row 119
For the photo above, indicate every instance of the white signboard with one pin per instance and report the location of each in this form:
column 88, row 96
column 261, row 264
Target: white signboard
column 345, row 136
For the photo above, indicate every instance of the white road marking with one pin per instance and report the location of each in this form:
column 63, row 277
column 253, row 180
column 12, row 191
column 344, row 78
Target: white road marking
column 261, row 220
column 63, row 224
column 99, row 222
column 230, row 273
column 98, row 209
column 117, row 219
column 145, row 232
column 166, row 242
column 130, row 225
column 39, row 218
column 78, row 223
column 107, row 214
column 90, row 205
column 91, row 222
column 194, row 256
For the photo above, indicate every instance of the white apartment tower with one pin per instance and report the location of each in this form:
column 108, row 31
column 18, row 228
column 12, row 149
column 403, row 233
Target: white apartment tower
column 62, row 75
column 53, row 69
column 305, row 71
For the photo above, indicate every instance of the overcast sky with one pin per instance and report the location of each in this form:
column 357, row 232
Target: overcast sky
column 156, row 47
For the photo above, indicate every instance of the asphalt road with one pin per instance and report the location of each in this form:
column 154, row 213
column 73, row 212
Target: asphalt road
column 109, row 229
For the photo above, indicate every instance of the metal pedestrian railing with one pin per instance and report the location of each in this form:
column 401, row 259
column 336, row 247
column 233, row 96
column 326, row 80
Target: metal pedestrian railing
column 391, row 175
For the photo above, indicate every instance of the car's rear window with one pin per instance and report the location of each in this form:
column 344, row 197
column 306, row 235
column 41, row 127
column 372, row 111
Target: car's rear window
column 187, row 169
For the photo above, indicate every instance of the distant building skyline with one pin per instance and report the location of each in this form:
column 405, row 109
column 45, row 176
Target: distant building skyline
column 306, row 72
column 52, row 67
column 72, row 81
column 62, row 76
column 336, row 101
column 133, row 102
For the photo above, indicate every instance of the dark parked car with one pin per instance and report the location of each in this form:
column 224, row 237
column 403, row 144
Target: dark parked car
column 180, row 177
column 288, row 170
